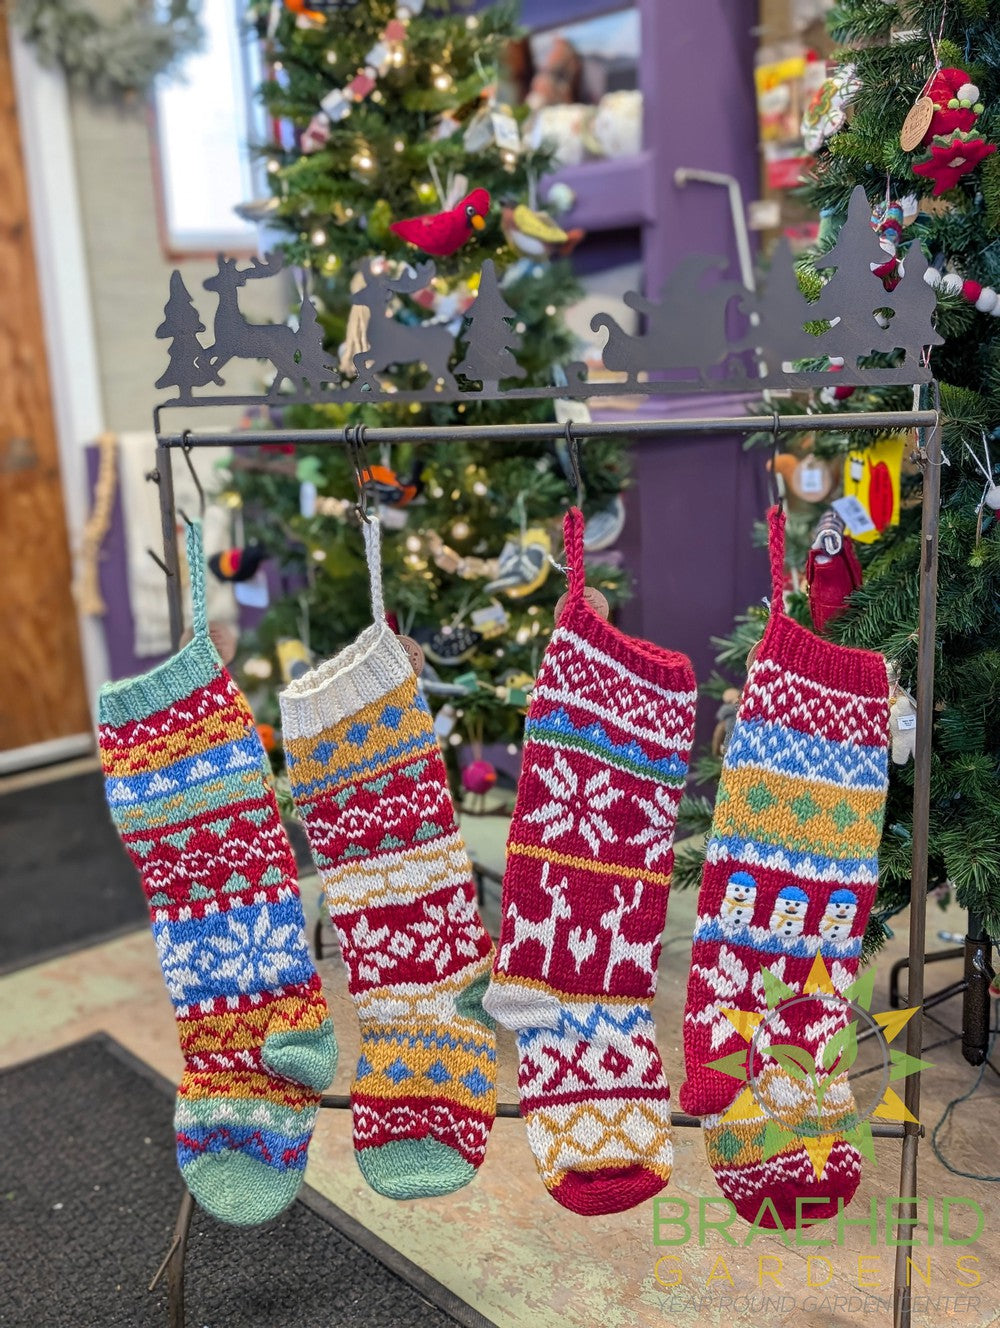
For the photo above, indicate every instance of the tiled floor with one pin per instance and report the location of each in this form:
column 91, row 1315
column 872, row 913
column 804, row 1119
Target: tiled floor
column 524, row 1262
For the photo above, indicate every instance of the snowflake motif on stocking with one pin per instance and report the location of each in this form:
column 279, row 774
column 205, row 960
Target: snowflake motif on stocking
column 569, row 807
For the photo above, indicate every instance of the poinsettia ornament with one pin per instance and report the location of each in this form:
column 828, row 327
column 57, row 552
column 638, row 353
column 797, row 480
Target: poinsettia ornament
column 952, row 146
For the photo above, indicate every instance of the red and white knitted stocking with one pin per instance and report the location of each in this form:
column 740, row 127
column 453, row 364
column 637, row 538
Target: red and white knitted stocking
column 790, row 876
column 367, row 776
column 589, row 858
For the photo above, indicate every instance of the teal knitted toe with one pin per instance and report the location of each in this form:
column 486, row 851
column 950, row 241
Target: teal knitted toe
column 306, row 1056
column 239, row 1189
column 414, row 1168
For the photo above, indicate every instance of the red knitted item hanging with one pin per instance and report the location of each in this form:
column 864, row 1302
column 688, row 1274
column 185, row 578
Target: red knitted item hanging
column 589, row 858
column 790, row 877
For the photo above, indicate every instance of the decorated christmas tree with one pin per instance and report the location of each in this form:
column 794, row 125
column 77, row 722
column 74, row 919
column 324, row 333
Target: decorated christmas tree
column 395, row 161
column 920, row 136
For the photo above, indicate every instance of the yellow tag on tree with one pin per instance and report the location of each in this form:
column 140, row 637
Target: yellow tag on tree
column 872, row 477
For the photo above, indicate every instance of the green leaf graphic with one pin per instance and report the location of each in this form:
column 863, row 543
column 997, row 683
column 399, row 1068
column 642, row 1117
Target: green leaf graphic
column 841, row 1051
column 795, row 1061
column 735, row 1065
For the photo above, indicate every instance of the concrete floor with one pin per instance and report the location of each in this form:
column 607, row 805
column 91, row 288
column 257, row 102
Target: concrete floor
column 505, row 1247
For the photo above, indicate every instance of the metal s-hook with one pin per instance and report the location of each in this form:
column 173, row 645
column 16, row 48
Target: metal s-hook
column 354, row 437
column 186, row 450
column 774, row 486
column 573, row 451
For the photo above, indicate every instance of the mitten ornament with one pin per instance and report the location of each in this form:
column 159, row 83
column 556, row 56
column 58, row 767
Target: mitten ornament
column 790, row 876
column 952, row 147
column 367, row 777
column 832, row 579
column 589, row 858
column 187, row 784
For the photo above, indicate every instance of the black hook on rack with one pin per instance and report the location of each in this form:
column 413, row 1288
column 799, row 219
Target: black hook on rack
column 354, row 437
column 573, row 450
column 186, row 450
column 774, row 487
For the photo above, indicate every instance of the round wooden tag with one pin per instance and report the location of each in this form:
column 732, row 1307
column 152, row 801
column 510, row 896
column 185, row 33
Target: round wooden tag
column 413, row 653
column 917, row 122
column 592, row 597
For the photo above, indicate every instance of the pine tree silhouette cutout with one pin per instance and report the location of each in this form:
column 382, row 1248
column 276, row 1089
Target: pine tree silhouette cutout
column 851, row 296
column 489, row 337
column 314, row 367
column 186, row 368
column 911, row 328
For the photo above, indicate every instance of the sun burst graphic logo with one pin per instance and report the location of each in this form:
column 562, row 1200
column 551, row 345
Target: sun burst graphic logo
column 808, row 1101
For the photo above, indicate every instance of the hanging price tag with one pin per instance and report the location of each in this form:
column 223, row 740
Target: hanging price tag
column 591, row 597
column 413, row 653
column 506, row 134
column 855, row 517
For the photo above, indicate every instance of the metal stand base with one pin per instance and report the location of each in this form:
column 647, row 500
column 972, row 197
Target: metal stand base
column 974, row 987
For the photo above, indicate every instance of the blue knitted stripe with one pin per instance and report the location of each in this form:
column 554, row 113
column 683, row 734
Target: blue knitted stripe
column 253, row 948
column 276, row 1150
column 775, row 747
column 556, row 729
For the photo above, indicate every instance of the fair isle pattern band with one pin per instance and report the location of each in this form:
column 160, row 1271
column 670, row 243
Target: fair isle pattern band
column 589, row 860
column 367, row 776
column 186, row 785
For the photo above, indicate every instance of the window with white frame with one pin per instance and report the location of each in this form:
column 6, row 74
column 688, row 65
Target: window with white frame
column 205, row 121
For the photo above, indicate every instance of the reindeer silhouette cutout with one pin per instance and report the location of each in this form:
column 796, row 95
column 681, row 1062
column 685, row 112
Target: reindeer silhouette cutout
column 686, row 329
column 621, row 951
column 235, row 338
column 391, row 342
column 543, row 932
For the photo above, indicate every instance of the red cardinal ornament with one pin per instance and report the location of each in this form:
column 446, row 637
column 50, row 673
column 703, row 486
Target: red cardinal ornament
column 443, row 233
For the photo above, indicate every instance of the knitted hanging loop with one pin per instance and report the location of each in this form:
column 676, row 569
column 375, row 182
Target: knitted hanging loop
column 576, row 572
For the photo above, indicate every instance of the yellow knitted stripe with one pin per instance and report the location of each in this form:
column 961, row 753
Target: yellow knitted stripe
column 587, row 864
column 397, row 877
column 238, row 1030
column 599, row 1135
column 202, row 1084
column 547, row 987
column 459, row 1061
column 775, row 808
column 213, row 730
column 413, row 724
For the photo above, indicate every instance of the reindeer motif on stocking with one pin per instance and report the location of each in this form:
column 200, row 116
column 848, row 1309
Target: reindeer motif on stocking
column 639, row 953
column 542, row 932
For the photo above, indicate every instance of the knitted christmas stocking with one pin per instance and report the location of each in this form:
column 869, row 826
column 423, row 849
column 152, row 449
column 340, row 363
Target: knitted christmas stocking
column 790, row 875
column 186, row 782
column 368, row 779
column 589, row 858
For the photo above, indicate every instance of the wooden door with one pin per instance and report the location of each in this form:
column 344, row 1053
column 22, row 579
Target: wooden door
column 42, row 689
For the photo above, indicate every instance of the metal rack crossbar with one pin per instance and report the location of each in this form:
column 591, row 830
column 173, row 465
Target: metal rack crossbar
column 929, row 454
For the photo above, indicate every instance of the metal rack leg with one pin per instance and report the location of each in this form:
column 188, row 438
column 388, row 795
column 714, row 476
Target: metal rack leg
column 926, row 630
column 173, row 1264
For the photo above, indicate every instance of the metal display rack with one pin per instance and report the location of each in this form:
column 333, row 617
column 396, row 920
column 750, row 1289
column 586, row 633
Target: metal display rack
column 859, row 325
